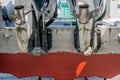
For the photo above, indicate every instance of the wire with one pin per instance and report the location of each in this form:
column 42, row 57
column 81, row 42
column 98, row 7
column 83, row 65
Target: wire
column 102, row 5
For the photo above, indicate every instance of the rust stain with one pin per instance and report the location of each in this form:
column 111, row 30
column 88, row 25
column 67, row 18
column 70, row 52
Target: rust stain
column 110, row 31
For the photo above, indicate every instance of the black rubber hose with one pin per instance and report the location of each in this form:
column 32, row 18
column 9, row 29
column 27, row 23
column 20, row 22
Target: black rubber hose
column 102, row 16
column 104, row 13
column 39, row 4
column 31, row 41
column 52, row 20
column 74, row 2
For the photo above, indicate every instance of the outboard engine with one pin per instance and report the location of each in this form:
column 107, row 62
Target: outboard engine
column 86, row 19
column 42, row 14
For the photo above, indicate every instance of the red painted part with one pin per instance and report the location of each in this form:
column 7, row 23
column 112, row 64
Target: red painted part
column 61, row 65
column 80, row 68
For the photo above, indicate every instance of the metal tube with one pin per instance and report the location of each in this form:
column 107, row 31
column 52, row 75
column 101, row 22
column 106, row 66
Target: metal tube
column 83, row 9
column 20, row 15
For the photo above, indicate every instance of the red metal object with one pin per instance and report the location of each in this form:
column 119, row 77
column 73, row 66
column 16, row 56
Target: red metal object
column 60, row 65
column 80, row 68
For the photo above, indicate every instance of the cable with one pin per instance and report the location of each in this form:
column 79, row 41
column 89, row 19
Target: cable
column 102, row 4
